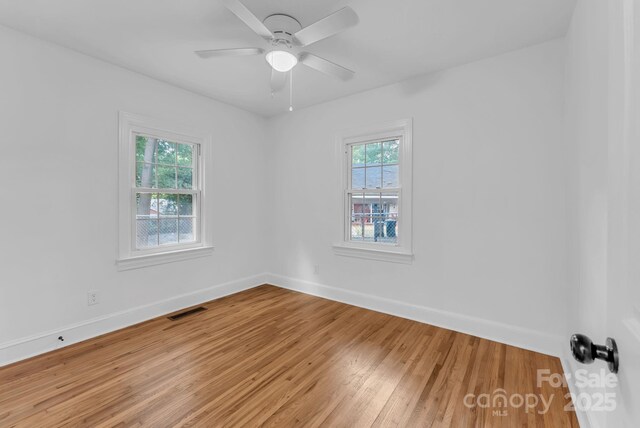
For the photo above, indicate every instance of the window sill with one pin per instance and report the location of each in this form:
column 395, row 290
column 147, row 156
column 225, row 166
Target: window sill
column 393, row 254
column 162, row 258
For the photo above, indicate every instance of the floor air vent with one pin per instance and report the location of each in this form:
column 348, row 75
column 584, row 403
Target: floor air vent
column 187, row 313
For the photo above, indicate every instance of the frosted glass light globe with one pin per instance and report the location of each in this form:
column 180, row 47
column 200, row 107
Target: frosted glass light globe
column 281, row 61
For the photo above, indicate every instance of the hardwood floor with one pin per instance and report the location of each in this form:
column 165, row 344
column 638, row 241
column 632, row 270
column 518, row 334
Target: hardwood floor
column 277, row 358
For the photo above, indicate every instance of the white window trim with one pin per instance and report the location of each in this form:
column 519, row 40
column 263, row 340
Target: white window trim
column 127, row 257
column 402, row 251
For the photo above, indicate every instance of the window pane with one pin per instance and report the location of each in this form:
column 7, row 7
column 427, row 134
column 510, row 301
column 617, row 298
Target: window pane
column 168, row 204
column 357, row 178
column 168, row 228
column 390, row 176
column 145, row 149
column 357, row 155
column 146, row 206
column 357, row 214
column 146, row 233
column 185, row 155
column 374, row 154
column 166, row 152
column 166, row 177
column 390, row 210
column 185, row 178
column 390, row 151
column 357, row 204
column 145, row 175
column 374, row 177
column 185, row 205
column 368, row 225
column 357, row 228
column 372, row 201
column 185, row 230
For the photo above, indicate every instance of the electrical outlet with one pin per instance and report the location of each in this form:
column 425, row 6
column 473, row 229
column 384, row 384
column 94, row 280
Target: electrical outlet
column 92, row 298
column 316, row 269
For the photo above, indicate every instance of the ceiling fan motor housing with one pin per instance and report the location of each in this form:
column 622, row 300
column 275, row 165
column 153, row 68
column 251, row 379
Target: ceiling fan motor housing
column 283, row 28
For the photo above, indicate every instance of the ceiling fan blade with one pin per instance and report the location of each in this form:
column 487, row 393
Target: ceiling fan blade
column 241, row 11
column 229, row 52
column 278, row 80
column 332, row 24
column 326, row 66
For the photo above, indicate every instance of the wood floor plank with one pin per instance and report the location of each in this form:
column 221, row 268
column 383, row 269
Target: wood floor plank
column 276, row 358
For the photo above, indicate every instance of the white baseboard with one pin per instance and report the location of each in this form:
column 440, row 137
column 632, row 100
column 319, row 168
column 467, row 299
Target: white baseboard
column 498, row 332
column 23, row 348
column 47, row 341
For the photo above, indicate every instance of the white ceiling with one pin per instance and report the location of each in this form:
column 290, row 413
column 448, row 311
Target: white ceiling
column 394, row 40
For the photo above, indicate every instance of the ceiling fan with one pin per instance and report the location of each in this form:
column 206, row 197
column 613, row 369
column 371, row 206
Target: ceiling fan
column 283, row 32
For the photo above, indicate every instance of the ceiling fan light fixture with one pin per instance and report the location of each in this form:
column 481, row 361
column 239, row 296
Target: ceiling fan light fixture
column 281, row 61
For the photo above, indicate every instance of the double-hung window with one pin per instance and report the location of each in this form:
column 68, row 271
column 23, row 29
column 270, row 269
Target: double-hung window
column 167, row 193
column 162, row 197
column 376, row 192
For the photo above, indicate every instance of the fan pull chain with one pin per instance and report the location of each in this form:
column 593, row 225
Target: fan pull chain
column 291, row 90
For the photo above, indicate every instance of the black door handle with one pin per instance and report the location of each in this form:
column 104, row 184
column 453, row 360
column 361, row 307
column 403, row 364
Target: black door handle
column 585, row 351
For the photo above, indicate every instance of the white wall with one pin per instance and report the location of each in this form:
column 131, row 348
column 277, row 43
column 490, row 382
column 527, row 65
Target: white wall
column 490, row 214
column 59, row 124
